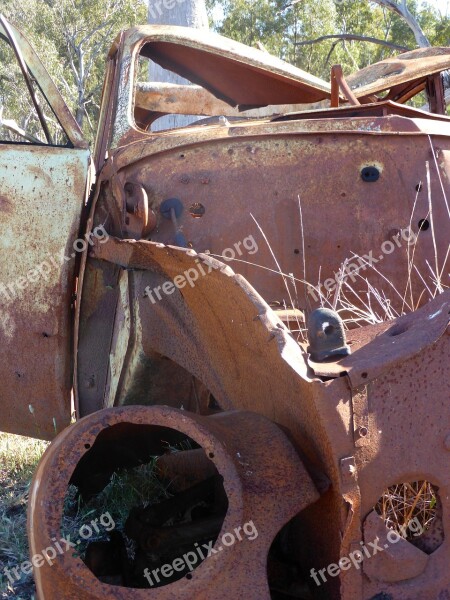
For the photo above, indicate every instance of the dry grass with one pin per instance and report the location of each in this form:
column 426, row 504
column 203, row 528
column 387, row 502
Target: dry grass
column 354, row 297
column 402, row 503
column 18, row 459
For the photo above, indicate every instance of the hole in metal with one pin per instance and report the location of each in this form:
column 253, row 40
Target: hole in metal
column 424, row 224
column 414, row 511
column 163, row 497
column 370, row 174
column 197, row 210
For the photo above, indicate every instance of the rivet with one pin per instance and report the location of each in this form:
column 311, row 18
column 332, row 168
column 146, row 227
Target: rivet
column 363, row 431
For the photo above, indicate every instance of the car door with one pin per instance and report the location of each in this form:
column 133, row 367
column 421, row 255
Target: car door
column 44, row 171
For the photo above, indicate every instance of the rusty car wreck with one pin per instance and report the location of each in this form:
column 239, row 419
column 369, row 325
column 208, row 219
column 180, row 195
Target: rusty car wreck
column 181, row 315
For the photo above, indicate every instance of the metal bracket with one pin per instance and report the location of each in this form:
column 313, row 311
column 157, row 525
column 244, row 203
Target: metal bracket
column 349, row 475
column 140, row 220
column 360, row 409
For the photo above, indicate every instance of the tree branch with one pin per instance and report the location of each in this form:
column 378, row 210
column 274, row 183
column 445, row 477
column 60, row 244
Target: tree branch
column 403, row 11
column 353, row 37
column 332, row 49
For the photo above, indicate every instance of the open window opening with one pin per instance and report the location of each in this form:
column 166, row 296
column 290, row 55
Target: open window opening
column 164, row 101
column 205, row 81
column 25, row 115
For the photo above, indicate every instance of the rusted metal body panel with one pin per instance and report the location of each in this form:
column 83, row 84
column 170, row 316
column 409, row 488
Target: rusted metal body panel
column 217, row 64
column 42, row 195
column 249, row 176
column 259, row 489
column 40, row 207
column 411, row 69
column 350, row 420
column 171, row 98
column 203, row 60
column 323, row 417
column 398, row 396
column 311, row 444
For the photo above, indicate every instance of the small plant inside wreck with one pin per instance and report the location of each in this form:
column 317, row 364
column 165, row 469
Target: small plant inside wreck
column 159, row 511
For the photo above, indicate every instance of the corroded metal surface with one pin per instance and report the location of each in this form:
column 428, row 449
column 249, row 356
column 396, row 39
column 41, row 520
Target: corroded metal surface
column 260, row 489
column 252, row 172
column 408, row 68
column 309, row 189
column 223, row 333
column 216, row 63
column 41, row 198
column 391, row 345
column 220, row 65
column 155, row 99
column 203, row 351
column 42, row 194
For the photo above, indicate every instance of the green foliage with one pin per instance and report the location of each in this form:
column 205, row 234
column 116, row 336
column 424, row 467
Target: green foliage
column 436, row 25
column 17, row 111
column 72, row 38
column 279, row 25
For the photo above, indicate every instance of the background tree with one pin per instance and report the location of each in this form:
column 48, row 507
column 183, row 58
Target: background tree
column 401, row 9
column 188, row 13
column 72, row 38
column 314, row 35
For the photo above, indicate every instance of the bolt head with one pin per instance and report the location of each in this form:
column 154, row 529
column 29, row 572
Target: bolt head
column 363, row 431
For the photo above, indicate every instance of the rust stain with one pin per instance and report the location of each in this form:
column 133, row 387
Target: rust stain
column 304, row 449
column 5, row 204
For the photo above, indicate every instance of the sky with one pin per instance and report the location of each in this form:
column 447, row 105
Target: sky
column 442, row 5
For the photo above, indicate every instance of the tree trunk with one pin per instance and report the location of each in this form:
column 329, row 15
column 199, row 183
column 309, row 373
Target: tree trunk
column 401, row 9
column 188, row 13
